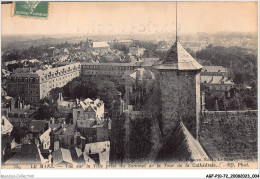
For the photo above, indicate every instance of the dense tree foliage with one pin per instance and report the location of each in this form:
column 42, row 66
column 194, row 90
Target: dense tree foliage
column 241, row 64
column 46, row 109
column 30, row 53
column 101, row 87
column 121, row 47
column 242, row 67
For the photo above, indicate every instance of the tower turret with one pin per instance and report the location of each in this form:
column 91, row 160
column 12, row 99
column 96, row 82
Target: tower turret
column 179, row 80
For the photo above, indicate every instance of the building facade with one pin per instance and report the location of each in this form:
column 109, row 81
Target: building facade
column 216, row 79
column 89, row 111
column 115, row 69
column 33, row 85
column 107, row 69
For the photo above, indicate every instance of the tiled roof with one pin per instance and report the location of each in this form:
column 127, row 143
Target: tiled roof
column 178, row 58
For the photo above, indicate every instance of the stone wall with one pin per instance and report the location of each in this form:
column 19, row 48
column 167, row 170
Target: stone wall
column 229, row 134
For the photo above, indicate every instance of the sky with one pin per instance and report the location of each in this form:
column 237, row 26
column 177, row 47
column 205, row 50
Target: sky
column 134, row 17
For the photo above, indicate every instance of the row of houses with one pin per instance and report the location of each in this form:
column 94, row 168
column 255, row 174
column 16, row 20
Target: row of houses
column 34, row 85
column 55, row 142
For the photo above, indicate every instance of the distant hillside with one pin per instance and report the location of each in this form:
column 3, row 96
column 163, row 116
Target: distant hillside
column 22, row 43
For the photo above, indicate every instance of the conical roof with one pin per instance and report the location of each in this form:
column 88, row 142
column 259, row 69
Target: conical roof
column 178, row 58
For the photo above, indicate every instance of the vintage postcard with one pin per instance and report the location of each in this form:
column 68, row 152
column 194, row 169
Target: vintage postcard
column 129, row 85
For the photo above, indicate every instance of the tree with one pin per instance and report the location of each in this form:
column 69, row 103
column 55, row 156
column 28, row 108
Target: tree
column 121, row 47
column 46, row 109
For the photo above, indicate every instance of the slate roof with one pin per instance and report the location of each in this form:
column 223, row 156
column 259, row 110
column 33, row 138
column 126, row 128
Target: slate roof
column 55, row 127
column 22, row 111
column 213, row 69
column 66, row 130
column 61, row 155
column 180, row 145
column 215, row 80
column 37, row 125
column 147, row 62
column 86, row 123
column 178, row 58
column 29, row 154
column 77, row 155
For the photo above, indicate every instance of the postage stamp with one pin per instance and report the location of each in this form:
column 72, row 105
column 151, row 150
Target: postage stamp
column 31, row 8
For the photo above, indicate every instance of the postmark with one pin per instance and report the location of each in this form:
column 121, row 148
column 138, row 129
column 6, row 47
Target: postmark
column 36, row 9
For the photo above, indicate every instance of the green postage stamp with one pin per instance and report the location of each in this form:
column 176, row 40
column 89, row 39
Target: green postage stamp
column 37, row 9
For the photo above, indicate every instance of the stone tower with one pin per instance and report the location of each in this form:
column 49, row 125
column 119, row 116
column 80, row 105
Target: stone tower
column 179, row 83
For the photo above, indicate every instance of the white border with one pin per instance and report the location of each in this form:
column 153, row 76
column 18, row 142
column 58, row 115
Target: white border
column 130, row 173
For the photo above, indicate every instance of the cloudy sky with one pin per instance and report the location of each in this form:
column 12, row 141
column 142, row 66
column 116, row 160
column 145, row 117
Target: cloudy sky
column 134, row 17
